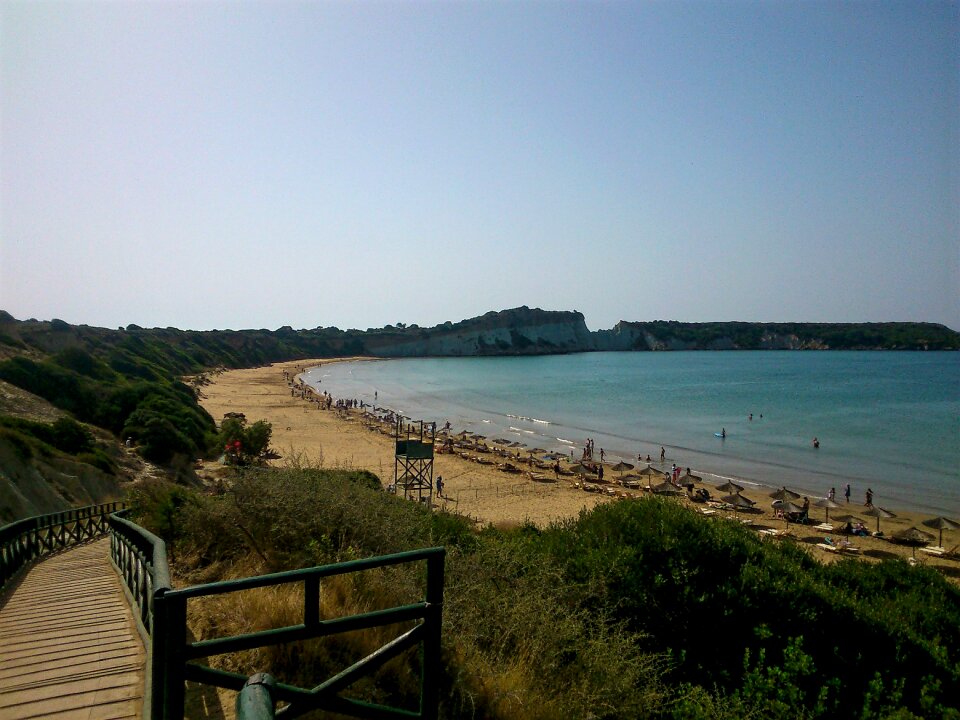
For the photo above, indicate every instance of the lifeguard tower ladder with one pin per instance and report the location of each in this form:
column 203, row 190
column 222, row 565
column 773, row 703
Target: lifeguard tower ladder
column 413, row 461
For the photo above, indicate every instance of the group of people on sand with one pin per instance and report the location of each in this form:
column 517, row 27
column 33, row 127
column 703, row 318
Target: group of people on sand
column 588, row 451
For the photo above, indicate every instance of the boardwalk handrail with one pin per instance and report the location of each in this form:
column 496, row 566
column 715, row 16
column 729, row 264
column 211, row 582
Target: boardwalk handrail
column 171, row 610
column 141, row 559
column 24, row 541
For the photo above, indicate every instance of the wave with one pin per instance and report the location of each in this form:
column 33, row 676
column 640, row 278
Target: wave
column 568, row 442
column 529, row 419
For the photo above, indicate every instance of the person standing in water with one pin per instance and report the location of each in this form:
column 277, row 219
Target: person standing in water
column 846, row 493
column 663, row 454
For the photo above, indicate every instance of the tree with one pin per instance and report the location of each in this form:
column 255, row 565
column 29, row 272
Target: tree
column 244, row 445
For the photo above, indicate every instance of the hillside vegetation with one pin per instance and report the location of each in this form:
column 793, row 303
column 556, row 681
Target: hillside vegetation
column 639, row 608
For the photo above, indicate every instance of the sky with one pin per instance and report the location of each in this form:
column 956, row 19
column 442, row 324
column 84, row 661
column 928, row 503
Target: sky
column 245, row 164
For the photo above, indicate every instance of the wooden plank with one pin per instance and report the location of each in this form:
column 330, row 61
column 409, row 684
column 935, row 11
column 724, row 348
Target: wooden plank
column 68, row 643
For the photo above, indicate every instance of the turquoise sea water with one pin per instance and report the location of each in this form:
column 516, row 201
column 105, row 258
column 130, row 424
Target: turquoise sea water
column 889, row 420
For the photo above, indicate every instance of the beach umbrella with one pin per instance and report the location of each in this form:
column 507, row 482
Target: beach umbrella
column 941, row 524
column 621, row 466
column 649, row 471
column 666, row 488
column 581, row 469
column 730, row 487
column 738, row 501
column 848, row 518
column 691, row 477
column 787, row 507
column 828, row 504
column 784, row 494
column 878, row 512
column 516, row 444
column 912, row 536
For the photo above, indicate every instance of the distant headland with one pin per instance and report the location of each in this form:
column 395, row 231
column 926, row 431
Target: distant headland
column 518, row 331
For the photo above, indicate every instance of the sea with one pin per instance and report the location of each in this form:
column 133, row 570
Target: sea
column 889, row 421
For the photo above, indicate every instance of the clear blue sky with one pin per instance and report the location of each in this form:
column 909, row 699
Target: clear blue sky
column 258, row 164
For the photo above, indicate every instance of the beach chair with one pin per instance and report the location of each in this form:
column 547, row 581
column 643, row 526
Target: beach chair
column 937, row 551
column 824, row 527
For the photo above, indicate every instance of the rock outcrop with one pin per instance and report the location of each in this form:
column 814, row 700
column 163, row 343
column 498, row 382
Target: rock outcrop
column 520, row 331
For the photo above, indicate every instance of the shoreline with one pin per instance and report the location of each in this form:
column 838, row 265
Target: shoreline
column 909, row 474
column 481, row 491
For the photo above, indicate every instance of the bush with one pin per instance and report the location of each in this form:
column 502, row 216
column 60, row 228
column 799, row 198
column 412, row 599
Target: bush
column 244, row 445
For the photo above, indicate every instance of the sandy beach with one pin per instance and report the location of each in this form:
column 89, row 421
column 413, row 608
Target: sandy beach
column 307, row 434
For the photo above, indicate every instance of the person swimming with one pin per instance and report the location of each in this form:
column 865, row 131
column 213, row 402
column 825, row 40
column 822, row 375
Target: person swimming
column 723, row 432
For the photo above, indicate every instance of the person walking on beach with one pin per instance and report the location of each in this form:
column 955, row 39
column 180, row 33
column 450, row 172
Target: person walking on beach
column 869, row 497
column 439, row 485
column 846, row 492
column 663, row 454
column 832, row 495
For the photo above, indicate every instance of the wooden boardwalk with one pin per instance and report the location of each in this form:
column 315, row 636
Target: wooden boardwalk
column 69, row 647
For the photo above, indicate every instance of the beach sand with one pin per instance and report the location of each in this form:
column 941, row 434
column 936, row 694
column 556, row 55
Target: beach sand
column 326, row 438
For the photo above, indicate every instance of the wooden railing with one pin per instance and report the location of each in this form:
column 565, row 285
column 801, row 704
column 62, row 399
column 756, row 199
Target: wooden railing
column 25, row 541
column 141, row 561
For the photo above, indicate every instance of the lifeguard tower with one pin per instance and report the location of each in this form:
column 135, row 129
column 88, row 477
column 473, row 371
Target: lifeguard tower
column 413, row 461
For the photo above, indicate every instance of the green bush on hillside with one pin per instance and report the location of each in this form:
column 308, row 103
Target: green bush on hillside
column 243, row 444
column 163, row 416
column 719, row 600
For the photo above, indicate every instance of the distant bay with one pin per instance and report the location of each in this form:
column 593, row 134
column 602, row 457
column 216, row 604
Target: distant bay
column 885, row 420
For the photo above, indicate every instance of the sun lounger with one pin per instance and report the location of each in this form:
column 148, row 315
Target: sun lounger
column 824, row 527
column 839, row 549
column 938, row 551
column 707, row 511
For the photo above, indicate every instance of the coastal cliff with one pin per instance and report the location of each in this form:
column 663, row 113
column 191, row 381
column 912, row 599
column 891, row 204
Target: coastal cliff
column 526, row 331
column 520, row 331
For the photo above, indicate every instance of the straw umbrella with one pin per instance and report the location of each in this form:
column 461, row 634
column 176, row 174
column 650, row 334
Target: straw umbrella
column 878, row 512
column 941, row 524
column 787, row 507
column 784, row 494
column 730, row 487
column 666, row 488
column 621, row 466
column 828, row 505
column 913, row 537
column 738, row 501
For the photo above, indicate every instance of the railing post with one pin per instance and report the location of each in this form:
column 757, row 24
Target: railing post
column 175, row 648
column 432, row 637
column 159, row 632
column 255, row 700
